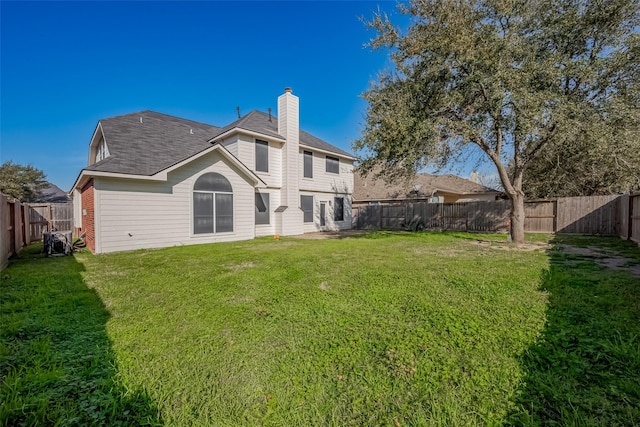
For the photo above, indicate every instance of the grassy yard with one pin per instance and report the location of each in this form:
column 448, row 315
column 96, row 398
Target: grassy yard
column 383, row 329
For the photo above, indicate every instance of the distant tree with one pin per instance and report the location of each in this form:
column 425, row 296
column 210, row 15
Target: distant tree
column 21, row 182
column 510, row 80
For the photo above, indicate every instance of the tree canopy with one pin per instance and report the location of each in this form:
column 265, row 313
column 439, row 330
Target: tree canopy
column 605, row 160
column 21, row 182
column 508, row 80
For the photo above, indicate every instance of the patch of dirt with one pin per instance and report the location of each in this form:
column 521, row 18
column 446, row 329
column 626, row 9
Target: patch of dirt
column 243, row 266
column 605, row 258
column 324, row 286
column 240, row 299
column 318, row 235
column 525, row 247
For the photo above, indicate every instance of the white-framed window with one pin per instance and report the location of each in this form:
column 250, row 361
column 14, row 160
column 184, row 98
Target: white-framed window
column 262, row 156
column 212, row 204
column 308, row 164
column 338, row 209
column 262, row 208
column 333, row 164
column 306, row 204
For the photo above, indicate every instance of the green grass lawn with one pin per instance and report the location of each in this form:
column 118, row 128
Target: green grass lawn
column 385, row 329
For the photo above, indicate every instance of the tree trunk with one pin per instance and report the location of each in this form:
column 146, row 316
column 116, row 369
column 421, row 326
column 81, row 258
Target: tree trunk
column 517, row 218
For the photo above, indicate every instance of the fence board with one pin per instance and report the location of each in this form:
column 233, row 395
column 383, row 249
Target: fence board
column 623, row 216
column 634, row 217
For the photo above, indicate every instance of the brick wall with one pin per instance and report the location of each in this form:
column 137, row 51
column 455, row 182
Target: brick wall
column 88, row 218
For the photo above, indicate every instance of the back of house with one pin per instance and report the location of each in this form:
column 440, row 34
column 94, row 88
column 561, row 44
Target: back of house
column 155, row 180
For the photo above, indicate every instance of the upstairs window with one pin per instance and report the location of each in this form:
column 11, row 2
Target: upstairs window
column 262, row 208
column 308, row 164
column 212, row 204
column 333, row 164
column 262, row 156
column 338, row 209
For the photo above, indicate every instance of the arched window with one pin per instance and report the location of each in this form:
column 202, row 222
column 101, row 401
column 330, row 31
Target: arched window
column 212, row 204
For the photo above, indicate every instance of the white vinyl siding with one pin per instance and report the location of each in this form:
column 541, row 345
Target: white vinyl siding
column 330, row 224
column 136, row 214
column 246, row 154
column 326, row 181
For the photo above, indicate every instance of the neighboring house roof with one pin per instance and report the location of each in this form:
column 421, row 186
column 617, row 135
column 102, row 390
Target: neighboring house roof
column 422, row 185
column 147, row 142
column 51, row 194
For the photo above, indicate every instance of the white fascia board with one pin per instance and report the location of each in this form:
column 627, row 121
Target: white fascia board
column 247, row 132
column 331, row 153
column 85, row 174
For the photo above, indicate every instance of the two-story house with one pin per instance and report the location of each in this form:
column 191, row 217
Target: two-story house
column 155, row 180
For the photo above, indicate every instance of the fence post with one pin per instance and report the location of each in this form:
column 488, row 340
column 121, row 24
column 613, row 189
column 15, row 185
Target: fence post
column 630, row 225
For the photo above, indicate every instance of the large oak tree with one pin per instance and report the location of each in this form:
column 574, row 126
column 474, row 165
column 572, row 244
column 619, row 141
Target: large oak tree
column 505, row 79
column 21, row 182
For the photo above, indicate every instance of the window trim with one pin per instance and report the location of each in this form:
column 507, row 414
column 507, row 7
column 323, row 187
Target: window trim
column 329, row 161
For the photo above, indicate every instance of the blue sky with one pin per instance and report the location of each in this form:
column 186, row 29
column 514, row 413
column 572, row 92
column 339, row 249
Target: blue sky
column 65, row 65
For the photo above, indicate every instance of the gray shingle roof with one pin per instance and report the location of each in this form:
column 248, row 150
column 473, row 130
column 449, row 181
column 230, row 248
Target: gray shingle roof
column 257, row 121
column 160, row 141
column 147, row 147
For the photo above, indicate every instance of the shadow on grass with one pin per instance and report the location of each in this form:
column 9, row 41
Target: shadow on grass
column 584, row 369
column 56, row 362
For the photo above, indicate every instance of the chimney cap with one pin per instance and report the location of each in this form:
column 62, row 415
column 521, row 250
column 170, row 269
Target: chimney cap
column 288, row 90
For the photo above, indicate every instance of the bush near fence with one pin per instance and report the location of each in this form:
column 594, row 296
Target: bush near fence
column 612, row 215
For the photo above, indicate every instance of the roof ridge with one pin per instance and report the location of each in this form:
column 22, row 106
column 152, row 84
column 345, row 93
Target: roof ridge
column 164, row 115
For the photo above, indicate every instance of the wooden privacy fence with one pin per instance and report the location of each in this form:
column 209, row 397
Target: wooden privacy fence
column 14, row 231
column 602, row 215
column 49, row 217
column 21, row 224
